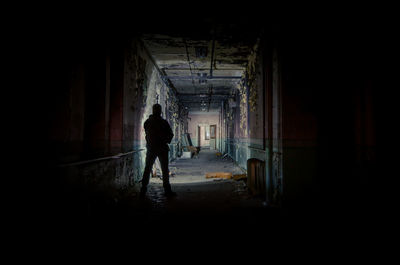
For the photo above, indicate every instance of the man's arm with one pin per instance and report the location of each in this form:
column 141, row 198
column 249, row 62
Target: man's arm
column 169, row 133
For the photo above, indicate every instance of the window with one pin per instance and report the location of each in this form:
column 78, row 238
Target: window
column 213, row 129
column 207, row 133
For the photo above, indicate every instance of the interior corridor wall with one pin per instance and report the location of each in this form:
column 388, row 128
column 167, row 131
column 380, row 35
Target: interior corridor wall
column 155, row 90
column 244, row 116
column 101, row 94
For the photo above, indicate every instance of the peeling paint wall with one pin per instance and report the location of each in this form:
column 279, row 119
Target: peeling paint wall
column 244, row 115
column 254, row 118
column 104, row 96
column 154, row 91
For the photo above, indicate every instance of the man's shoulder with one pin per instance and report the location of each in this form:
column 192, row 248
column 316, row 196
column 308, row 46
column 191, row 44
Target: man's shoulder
column 155, row 121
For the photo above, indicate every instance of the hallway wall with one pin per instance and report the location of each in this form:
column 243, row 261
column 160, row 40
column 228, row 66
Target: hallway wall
column 327, row 136
column 103, row 93
column 244, row 114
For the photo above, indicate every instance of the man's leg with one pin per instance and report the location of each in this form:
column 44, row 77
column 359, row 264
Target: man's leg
column 163, row 157
column 150, row 158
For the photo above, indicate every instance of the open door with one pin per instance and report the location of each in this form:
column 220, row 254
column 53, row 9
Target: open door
column 213, row 136
column 198, row 136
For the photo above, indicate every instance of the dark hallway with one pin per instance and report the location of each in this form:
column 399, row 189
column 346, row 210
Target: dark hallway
column 286, row 109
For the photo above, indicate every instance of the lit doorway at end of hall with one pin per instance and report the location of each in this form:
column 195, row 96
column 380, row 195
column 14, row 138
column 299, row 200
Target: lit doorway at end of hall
column 206, row 136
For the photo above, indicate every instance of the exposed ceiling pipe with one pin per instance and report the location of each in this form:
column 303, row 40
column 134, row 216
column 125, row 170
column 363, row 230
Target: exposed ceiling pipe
column 210, row 95
column 212, row 55
column 211, row 69
column 188, row 59
column 203, row 95
column 177, row 77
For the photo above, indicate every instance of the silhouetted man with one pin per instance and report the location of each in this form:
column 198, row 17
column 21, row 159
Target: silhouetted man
column 158, row 136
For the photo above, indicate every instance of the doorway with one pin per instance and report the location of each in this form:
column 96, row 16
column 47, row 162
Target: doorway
column 198, row 136
column 213, row 137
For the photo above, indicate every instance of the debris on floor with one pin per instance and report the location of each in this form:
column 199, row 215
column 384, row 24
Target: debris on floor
column 224, row 156
column 172, row 171
column 195, row 170
column 240, row 177
column 186, row 155
column 241, row 189
column 223, row 175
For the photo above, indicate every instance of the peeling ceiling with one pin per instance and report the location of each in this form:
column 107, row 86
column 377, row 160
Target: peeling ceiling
column 203, row 65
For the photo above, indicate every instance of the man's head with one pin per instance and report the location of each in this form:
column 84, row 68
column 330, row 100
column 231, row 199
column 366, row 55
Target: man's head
column 157, row 110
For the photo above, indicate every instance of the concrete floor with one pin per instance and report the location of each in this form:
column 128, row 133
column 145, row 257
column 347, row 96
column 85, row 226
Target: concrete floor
column 200, row 202
column 198, row 195
column 193, row 170
column 216, row 211
column 206, row 213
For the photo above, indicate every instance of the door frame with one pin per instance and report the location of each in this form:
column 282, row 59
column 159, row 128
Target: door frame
column 198, row 135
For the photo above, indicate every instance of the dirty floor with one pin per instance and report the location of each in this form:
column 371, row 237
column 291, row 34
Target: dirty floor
column 219, row 212
column 197, row 196
column 195, row 169
column 200, row 202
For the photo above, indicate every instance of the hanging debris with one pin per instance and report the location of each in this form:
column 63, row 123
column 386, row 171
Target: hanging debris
column 242, row 88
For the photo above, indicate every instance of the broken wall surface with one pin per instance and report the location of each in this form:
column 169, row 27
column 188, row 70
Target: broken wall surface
column 271, row 118
column 237, row 130
column 157, row 91
column 103, row 92
column 244, row 115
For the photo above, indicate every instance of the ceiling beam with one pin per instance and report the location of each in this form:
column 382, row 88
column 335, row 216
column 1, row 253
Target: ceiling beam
column 200, row 77
column 193, row 99
column 202, row 69
column 212, row 55
column 206, row 94
column 199, row 102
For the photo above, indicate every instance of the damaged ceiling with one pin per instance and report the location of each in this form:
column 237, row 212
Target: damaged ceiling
column 203, row 63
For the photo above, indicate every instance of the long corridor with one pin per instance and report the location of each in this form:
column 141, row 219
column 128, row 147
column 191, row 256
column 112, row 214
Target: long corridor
column 292, row 105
